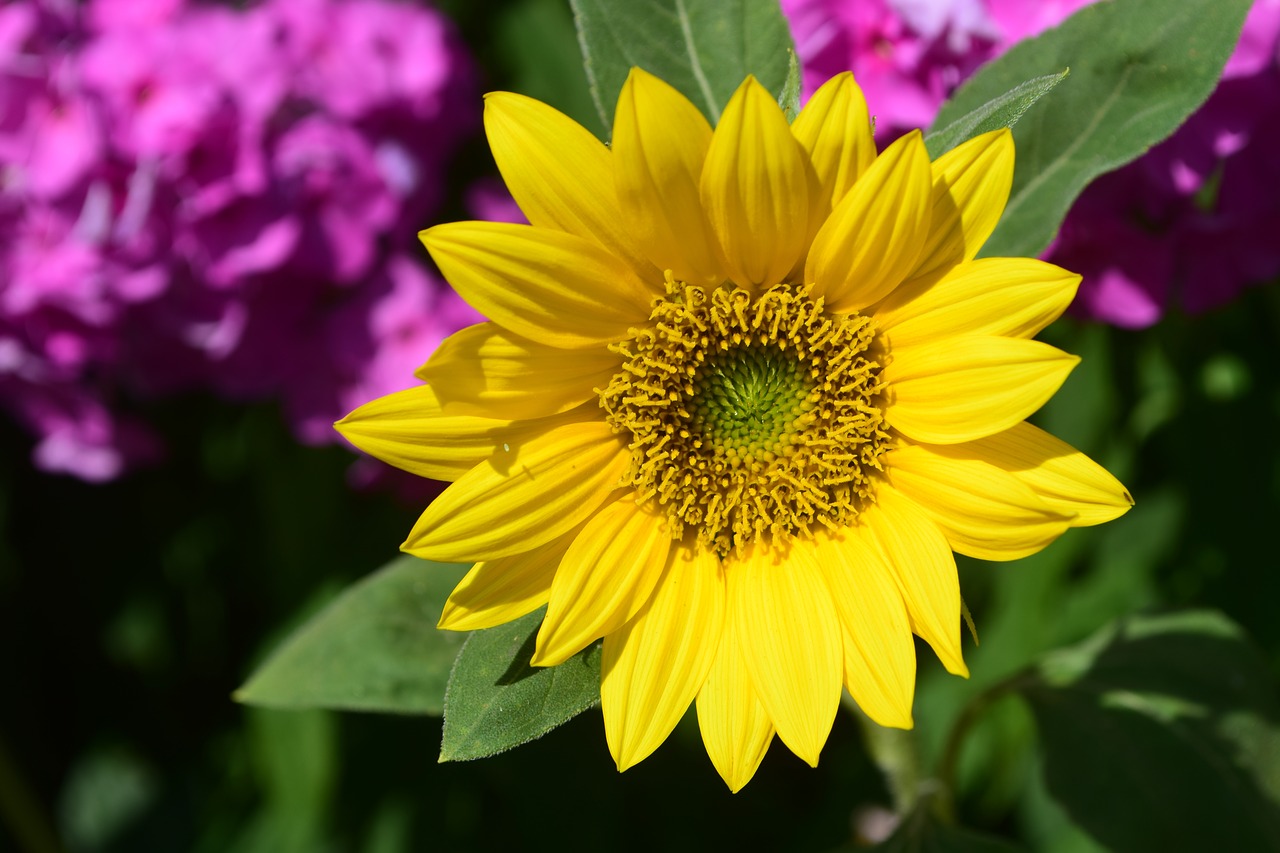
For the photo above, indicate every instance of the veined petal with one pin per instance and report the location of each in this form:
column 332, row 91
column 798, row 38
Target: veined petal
column 523, row 498
column 1012, row 297
column 970, row 188
column 879, row 655
column 497, row 591
column 835, row 129
column 964, row 388
column 551, row 287
column 791, row 640
column 660, row 142
column 1061, row 476
column 872, row 240
column 755, row 188
column 408, row 429
column 606, row 576
column 560, row 175
column 654, row 665
column 487, row 371
column 916, row 551
column 983, row 511
column 736, row 729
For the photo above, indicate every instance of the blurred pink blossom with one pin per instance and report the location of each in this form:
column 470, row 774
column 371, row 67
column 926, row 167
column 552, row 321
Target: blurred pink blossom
column 196, row 196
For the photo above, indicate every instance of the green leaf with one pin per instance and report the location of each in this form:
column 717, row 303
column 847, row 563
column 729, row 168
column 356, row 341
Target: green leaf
column 497, row 700
column 705, row 48
column 375, row 648
column 921, row 832
column 536, row 45
column 789, row 99
column 1162, row 733
column 1001, row 111
column 1138, row 69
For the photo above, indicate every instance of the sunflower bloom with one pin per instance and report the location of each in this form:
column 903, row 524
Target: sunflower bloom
column 743, row 392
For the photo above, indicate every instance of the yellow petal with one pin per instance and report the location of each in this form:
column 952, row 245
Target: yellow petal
column 408, row 429
column 970, row 187
column 654, row 666
column 660, row 141
column 879, row 655
column 872, row 239
column 524, row 497
column 560, row 175
column 1063, row 477
column 551, row 287
column 497, row 591
column 1012, row 297
column 606, row 576
column 983, row 511
column 834, row 128
column 791, row 640
column 736, row 729
column 916, row 551
column 487, row 371
column 964, row 388
column 755, row 188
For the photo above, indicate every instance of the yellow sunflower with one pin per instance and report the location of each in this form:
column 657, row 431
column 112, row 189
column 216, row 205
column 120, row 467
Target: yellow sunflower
column 743, row 392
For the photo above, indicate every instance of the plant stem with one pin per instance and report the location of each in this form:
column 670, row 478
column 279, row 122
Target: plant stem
column 897, row 755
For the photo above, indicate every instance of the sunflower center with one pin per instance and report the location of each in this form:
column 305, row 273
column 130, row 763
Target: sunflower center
column 749, row 418
column 747, row 399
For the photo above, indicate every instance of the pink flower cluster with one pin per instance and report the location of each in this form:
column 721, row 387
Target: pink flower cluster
column 196, row 196
column 1190, row 224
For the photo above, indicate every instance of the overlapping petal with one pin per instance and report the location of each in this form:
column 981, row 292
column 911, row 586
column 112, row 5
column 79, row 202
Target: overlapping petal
column 1012, row 297
column 660, row 142
column 497, row 591
column 736, row 729
column 834, row 128
column 548, row 286
column 965, row 388
column 879, row 655
column 524, row 497
column 604, row 579
column 755, row 188
column 915, row 550
column 409, row 429
column 560, row 175
column 486, row 371
column 984, row 512
column 970, row 188
column 1063, row 477
column 872, row 239
column 791, row 639
column 654, row 666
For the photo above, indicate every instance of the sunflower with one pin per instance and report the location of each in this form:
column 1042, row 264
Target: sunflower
column 742, row 393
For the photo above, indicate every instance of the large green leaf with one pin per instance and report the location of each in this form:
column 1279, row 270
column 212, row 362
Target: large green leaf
column 1001, row 111
column 1163, row 733
column 1138, row 68
column 497, row 700
column 705, row 48
column 375, row 648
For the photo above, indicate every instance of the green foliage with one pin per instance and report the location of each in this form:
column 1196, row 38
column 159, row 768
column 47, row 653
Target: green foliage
column 705, row 48
column 1162, row 733
column 376, row 648
column 922, row 832
column 498, row 700
column 1001, row 111
column 1138, row 69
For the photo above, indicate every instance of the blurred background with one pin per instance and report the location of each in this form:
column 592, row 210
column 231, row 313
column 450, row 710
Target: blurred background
column 208, row 215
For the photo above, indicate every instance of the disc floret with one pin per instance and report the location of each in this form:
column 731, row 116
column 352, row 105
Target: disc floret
column 749, row 417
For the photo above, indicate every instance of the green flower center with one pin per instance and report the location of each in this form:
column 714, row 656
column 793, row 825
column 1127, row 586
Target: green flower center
column 748, row 400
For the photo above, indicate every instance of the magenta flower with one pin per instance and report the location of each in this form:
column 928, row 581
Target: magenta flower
column 197, row 196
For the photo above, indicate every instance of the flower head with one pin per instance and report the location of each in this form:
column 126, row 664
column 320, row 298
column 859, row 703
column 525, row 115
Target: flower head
column 742, row 393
